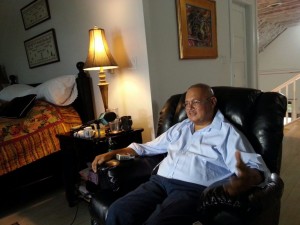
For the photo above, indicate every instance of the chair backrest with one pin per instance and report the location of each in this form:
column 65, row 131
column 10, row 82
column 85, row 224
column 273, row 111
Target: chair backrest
column 259, row 115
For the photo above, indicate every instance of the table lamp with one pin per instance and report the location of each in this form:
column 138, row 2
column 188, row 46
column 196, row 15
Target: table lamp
column 100, row 58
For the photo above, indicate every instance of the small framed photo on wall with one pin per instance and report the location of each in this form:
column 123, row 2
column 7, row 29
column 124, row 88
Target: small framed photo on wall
column 42, row 49
column 35, row 13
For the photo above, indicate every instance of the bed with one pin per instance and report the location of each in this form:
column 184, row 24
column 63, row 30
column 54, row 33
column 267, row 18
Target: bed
column 29, row 150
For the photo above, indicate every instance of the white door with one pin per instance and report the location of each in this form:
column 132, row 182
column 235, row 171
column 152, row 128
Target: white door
column 239, row 46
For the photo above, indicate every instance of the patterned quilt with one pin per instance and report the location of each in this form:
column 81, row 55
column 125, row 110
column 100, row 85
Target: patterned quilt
column 25, row 140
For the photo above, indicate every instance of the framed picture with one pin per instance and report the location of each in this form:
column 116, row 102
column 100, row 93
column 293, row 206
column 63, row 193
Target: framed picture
column 42, row 49
column 197, row 29
column 34, row 13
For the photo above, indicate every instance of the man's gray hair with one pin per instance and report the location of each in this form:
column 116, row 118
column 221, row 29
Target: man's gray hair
column 205, row 87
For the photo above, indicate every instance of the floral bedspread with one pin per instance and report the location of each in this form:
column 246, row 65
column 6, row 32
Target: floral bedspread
column 25, row 140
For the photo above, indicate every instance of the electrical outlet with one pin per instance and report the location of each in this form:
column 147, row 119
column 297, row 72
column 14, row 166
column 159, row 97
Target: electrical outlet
column 134, row 62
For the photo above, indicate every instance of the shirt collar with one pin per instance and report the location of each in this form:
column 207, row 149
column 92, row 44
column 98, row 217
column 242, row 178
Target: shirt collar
column 216, row 123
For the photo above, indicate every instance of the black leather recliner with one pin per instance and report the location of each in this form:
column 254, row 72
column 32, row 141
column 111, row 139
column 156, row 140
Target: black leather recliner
column 259, row 115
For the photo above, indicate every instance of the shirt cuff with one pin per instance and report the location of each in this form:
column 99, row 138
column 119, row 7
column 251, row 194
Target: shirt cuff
column 136, row 147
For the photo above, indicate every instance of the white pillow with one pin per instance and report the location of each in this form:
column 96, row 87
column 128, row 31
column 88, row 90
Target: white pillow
column 60, row 91
column 15, row 90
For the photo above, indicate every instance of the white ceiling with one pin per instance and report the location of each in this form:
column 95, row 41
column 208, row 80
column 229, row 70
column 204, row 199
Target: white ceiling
column 274, row 17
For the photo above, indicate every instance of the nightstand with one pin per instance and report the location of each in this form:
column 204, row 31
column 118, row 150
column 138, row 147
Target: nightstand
column 77, row 152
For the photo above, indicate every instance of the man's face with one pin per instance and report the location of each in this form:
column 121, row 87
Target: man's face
column 200, row 106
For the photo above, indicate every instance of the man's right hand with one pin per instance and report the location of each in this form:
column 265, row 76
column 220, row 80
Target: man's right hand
column 100, row 159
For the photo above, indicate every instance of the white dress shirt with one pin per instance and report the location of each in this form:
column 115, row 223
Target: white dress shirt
column 202, row 157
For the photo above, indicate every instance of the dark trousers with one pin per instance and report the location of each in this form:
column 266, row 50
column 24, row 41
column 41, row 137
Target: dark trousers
column 160, row 201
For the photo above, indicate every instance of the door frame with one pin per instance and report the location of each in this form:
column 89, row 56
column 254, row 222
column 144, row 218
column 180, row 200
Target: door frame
column 252, row 40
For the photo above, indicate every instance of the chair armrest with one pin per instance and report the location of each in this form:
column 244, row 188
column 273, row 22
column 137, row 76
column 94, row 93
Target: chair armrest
column 127, row 174
column 262, row 198
column 255, row 201
column 137, row 168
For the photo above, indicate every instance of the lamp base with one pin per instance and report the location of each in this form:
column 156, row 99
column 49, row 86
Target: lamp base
column 103, row 86
column 104, row 94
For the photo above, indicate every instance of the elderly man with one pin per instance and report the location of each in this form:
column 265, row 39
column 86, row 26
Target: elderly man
column 202, row 150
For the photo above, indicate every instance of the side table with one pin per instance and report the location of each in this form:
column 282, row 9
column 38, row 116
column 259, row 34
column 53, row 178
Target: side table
column 77, row 152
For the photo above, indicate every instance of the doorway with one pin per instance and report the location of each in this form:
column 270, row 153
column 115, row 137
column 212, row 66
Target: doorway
column 243, row 43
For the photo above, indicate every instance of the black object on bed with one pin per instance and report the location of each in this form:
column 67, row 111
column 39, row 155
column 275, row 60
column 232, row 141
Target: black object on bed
column 18, row 107
column 45, row 173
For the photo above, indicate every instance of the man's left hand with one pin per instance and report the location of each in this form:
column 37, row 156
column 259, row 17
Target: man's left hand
column 245, row 178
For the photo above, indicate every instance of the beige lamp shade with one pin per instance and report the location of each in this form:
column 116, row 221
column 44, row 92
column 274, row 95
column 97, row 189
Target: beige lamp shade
column 99, row 58
column 99, row 54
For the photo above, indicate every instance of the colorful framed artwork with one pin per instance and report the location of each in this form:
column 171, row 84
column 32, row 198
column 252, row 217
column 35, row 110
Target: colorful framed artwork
column 35, row 13
column 197, row 29
column 42, row 49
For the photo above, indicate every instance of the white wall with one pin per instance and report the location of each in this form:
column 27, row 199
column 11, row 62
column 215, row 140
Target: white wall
column 170, row 75
column 123, row 22
column 280, row 60
column 139, row 31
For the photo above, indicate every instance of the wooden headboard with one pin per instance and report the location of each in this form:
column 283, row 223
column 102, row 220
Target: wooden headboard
column 84, row 102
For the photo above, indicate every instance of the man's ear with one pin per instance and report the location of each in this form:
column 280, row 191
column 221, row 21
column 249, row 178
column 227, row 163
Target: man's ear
column 213, row 101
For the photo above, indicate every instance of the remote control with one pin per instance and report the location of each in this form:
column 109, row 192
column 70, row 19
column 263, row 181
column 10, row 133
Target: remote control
column 124, row 157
